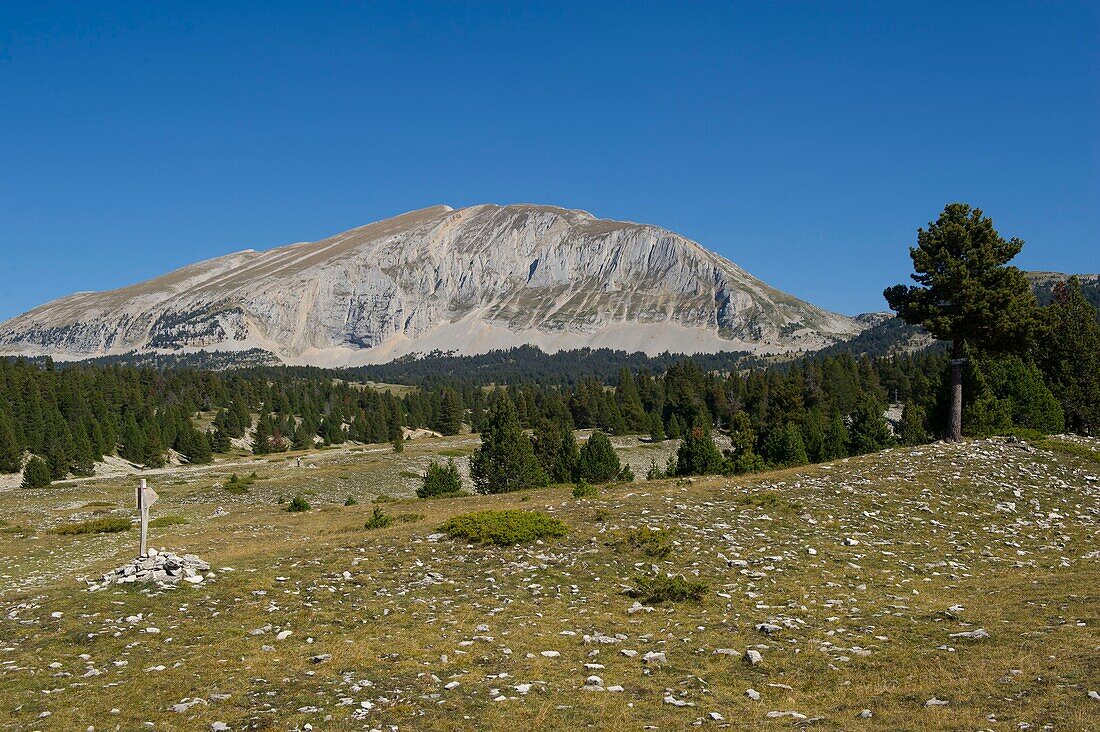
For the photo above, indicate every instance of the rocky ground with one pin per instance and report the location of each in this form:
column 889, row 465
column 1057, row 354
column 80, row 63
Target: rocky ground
column 936, row 588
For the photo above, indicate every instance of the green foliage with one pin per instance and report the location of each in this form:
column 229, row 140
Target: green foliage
column 912, row 429
column 626, row 475
column 11, row 456
column 784, row 448
column 450, row 412
column 297, row 504
column 655, row 590
column 350, row 501
column 506, row 460
column 440, row 480
column 869, row 431
column 654, row 472
column 398, row 444
column 584, row 489
column 95, row 526
column 36, row 474
column 598, row 462
column 239, row 486
column 556, row 450
column 654, row 543
column 1070, row 448
column 378, row 520
column 770, row 501
column 697, row 454
column 164, row 521
column 1005, row 393
column 966, row 292
column 504, row 528
column 1068, row 354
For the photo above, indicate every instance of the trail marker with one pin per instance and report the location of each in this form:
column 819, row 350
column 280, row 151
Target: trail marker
column 146, row 497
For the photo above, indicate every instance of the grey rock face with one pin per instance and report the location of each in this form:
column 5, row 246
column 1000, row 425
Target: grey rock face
column 468, row 280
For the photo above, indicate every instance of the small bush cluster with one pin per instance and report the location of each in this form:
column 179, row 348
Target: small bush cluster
column 350, row 501
column 238, row 485
column 440, row 480
column 651, row 542
column 1069, row 448
column 584, row 490
column 169, row 520
column 770, row 501
column 504, row 528
column 656, row 590
column 297, row 505
column 97, row 526
column 378, row 520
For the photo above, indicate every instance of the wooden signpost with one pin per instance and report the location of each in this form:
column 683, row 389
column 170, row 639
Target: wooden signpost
column 146, row 497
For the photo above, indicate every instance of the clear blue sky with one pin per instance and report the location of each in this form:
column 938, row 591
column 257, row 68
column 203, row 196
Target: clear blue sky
column 804, row 141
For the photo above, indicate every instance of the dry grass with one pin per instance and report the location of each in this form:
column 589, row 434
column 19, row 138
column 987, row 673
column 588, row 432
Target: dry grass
column 870, row 622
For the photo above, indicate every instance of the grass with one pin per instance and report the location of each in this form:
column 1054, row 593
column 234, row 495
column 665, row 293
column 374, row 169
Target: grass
column 401, row 611
column 504, row 528
column 1070, row 448
column 651, row 542
column 170, row 520
column 95, row 526
column 656, row 590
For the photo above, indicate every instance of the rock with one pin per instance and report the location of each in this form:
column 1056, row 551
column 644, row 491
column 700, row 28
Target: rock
column 654, row 657
column 934, row 702
column 716, row 717
column 978, row 634
column 753, row 657
column 797, row 716
column 670, row 699
column 752, row 694
column 320, row 658
column 550, row 654
column 1094, row 695
column 865, row 714
column 219, row 727
column 768, row 628
column 851, row 542
column 284, row 634
column 161, row 568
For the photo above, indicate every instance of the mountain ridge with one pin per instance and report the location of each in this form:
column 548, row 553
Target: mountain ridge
column 455, row 280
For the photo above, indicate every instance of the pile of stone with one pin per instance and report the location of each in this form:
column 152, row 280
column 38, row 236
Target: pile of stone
column 162, row 568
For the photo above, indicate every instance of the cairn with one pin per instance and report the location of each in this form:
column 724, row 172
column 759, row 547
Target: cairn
column 164, row 569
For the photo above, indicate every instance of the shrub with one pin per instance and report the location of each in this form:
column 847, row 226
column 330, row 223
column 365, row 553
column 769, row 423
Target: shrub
column 170, row 520
column 98, row 526
column 1070, row 448
column 769, row 500
column 239, row 486
column 297, row 505
column 36, row 474
column 504, row 528
column 378, row 520
column 440, row 480
column 626, row 475
column 350, row 501
column 654, row 472
column 652, row 542
column 667, row 589
column 584, row 490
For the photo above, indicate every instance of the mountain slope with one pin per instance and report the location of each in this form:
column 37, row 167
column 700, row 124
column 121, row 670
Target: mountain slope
column 467, row 280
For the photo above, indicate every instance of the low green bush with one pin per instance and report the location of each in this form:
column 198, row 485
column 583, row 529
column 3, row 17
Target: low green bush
column 350, row 501
column 504, row 528
column 170, row 520
column 584, row 490
column 440, row 480
column 656, row 590
column 769, row 500
column 378, row 520
column 297, row 505
column 98, row 526
column 1069, row 448
column 651, row 542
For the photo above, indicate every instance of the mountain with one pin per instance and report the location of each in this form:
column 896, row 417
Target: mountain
column 464, row 281
column 1044, row 282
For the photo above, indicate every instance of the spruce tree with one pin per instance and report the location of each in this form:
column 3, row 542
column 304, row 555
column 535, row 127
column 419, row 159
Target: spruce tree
column 451, row 413
column 598, row 462
column 1068, row 353
column 869, row 431
column 966, row 292
column 11, row 455
column 506, row 459
column 697, row 454
column 440, row 480
column 36, row 474
column 556, row 450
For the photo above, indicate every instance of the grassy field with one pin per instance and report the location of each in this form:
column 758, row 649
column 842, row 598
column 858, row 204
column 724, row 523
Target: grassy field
column 849, row 579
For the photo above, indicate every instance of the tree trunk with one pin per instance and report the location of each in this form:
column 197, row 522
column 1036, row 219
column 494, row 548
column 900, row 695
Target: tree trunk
column 955, row 416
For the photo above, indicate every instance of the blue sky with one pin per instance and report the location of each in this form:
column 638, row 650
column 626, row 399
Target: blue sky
column 804, row 141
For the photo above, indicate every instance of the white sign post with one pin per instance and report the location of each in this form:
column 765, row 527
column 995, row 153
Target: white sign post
column 146, row 497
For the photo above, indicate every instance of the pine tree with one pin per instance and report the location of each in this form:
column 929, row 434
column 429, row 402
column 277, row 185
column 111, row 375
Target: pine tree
column 440, row 480
column 36, row 474
column 869, row 431
column 656, row 427
column 836, row 439
column 1068, row 353
column 966, row 292
column 11, row 455
column 556, row 450
column 506, row 459
column 598, row 462
column 697, row 454
column 451, row 413
column 784, row 447
column 742, row 457
column 911, row 429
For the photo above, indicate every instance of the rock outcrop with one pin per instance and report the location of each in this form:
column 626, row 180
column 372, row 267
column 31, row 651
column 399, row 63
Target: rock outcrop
column 466, row 281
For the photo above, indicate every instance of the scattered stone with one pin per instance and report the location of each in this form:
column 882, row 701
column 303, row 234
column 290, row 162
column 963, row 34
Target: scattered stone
column 753, row 657
column 752, row 694
column 865, row 714
column 797, row 716
column 934, row 702
column 978, row 634
column 162, row 568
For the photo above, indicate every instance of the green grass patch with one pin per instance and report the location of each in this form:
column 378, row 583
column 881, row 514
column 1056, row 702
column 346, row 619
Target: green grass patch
column 171, row 520
column 297, row 505
column 97, row 526
column 769, row 501
column 1069, row 448
column 656, row 543
column 504, row 528
column 655, row 590
column 454, row 452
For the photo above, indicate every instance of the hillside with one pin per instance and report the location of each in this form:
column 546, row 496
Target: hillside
column 857, row 582
column 438, row 279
